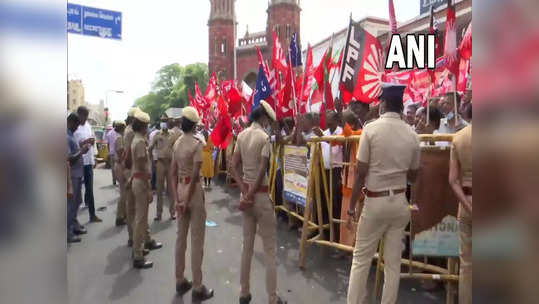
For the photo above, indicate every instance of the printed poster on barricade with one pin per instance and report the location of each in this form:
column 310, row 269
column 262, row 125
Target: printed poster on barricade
column 296, row 174
column 442, row 240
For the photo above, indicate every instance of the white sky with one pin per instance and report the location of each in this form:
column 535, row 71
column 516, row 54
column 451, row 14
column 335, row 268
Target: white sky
column 159, row 32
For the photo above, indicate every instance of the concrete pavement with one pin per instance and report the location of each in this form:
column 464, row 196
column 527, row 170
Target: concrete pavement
column 100, row 267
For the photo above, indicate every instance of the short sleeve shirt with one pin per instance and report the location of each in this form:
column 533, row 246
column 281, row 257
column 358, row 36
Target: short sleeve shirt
column 461, row 150
column 128, row 136
column 391, row 148
column 187, row 151
column 162, row 145
column 139, row 149
column 83, row 133
column 72, row 149
column 253, row 144
column 175, row 133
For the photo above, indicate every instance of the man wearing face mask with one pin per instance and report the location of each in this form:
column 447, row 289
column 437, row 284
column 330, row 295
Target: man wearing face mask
column 252, row 155
column 450, row 124
column 161, row 145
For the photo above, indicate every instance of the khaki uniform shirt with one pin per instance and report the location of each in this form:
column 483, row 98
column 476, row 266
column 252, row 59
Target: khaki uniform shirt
column 119, row 146
column 129, row 134
column 162, row 142
column 139, row 149
column 253, row 144
column 461, row 150
column 391, row 148
column 175, row 133
column 186, row 152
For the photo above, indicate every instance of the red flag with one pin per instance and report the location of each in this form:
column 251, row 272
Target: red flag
column 270, row 74
column 323, row 117
column 308, row 80
column 450, row 46
column 465, row 47
column 319, row 72
column 200, row 101
column 220, row 134
column 211, row 90
column 234, row 102
column 464, row 73
column 330, row 105
column 279, row 59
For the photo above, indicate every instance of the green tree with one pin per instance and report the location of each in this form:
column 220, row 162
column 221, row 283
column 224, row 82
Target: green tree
column 170, row 88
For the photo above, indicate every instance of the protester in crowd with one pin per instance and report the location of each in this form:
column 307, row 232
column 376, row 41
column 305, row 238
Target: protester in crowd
column 409, row 113
column 387, row 158
column 449, row 124
column 160, row 147
column 110, row 139
column 75, row 154
column 421, row 126
column 84, row 134
column 460, row 179
column 335, row 163
column 189, row 198
column 121, row 211
column 153, row 132
column 208, row 170
column 361, row 110
column 141, row 187
column 127, row 164
column 252, row 155
column 466, row 101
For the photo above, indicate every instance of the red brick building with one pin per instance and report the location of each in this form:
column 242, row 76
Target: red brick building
column 240, row 61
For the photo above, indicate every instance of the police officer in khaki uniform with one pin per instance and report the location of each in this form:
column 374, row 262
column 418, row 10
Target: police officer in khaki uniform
column 189, row 198
column 175, row 131
column 460, row 179
column 141, row 188
column 161, row 142
column 127, row 164
column 387, row 158
column 121, row 211
column 249, row 167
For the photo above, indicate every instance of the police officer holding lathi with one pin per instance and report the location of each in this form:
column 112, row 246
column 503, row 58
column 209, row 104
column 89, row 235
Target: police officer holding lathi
column 387, row 158
column 249, row 167
column 190, row 204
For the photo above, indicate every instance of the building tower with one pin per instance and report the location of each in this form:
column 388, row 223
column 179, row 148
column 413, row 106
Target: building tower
column 222, row 28
column 284, row 19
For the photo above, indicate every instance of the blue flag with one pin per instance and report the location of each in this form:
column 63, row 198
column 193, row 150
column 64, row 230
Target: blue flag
column 263, row 89
column 295, row 52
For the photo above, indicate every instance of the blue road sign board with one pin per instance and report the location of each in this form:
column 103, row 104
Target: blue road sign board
column 74, row 18
column 95, row 22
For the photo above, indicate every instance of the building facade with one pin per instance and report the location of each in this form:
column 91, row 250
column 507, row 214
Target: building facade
column 75, row 94
column 240, row 61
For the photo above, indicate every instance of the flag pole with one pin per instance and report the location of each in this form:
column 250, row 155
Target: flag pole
column 304, row 74
column 455, row 99
column 345, row 48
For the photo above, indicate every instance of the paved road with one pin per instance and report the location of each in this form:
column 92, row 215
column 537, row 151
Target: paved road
column 99, row 268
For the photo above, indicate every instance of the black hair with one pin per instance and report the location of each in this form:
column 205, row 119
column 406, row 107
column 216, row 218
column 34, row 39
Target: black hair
column 129, row 120
column 139, row 126
column 435, row 116
column 394, row 105
column 119, row 127
column 73, row 117
column 257, row 114
column 82, row 110
column 188, row 126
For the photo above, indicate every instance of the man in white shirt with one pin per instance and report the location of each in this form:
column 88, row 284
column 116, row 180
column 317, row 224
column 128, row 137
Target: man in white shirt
column 335, row 162
column 154, row 155
column 83, row 135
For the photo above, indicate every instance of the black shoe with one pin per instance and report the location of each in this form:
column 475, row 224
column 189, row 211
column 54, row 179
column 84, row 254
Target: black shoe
column 202, row 295
column 142, row 264
column 80, row 231
column 95, row 219
column 157, row 218
column 183, row 287
column 246, row 299
column 73, row 239
column 130, row 243
column 280, row 301
column 153, row 245
column 120, row 222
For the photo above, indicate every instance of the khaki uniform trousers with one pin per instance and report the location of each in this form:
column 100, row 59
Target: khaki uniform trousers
column 383, row 217
column 141, row 231
column 112, row 160
column 196, row 218
column 465, row 273
column 121, row 211
column 262, row 214
column 129, row 204
column 162, row 170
